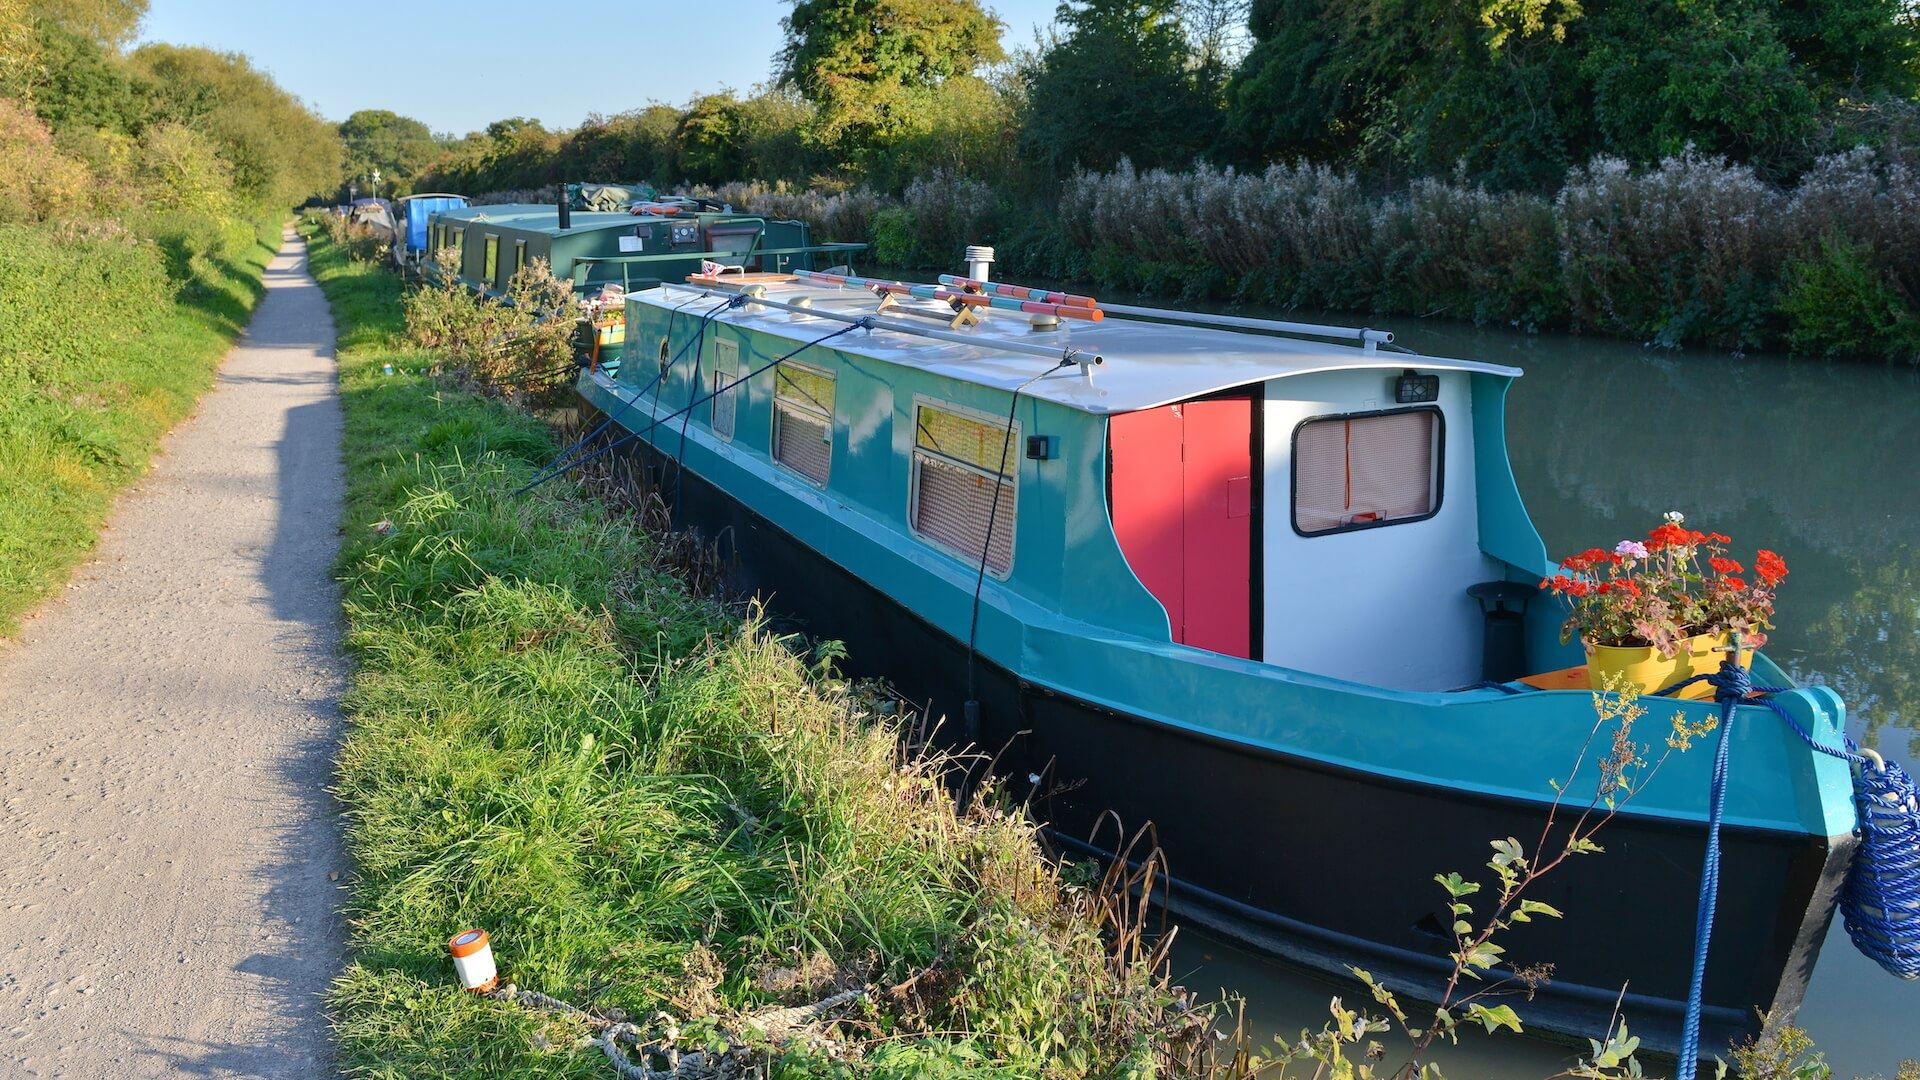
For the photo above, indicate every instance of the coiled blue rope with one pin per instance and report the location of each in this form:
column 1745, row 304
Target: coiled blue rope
column 1880, row 901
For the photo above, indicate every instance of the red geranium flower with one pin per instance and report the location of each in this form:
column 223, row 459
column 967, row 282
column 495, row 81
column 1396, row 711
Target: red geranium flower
column 1770, row 566
column 1724, row 565
column 1668, row 535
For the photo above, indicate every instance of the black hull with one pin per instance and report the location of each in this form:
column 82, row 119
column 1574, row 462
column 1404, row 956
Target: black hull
column 1322, row 866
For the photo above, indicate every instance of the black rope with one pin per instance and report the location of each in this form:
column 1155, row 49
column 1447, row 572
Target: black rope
column 971, row 710
column 693, row 387
column 863, row 324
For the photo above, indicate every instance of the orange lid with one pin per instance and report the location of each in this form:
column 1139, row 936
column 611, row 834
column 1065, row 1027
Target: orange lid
column 467, row 942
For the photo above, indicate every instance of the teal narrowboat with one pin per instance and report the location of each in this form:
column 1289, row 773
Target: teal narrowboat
column 637, row 248
column 1231, row 578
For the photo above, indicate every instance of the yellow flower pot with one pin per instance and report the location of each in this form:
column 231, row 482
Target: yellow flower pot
column 1645, row 668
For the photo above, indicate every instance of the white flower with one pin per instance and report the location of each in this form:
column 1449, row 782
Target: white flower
column 1676, row 516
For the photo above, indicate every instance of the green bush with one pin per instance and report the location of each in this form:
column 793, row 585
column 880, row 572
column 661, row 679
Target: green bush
column 1836, row 302
column 893, row 238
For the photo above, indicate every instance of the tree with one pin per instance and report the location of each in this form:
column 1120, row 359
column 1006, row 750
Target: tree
column 859, row 61
column 84, row 85
column 398, row 146
column 707, row 140
column 1121, row 81
column 109, row 23
column 279, row 151
column 1515, row 91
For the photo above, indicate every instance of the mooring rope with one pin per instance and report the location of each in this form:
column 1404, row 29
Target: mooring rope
column 970, row 710
column 866, row 323
column 560, row 463
column 1880, row 900
column 609, row 1034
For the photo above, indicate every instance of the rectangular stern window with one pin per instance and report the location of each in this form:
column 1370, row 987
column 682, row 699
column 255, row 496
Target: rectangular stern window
column 493, row 258
column 803, row 421
column 1366, row 470
column 959, row 464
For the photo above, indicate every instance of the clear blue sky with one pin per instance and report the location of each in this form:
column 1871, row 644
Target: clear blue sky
column 359, row 54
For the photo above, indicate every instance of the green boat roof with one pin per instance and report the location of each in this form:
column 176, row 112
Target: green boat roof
column 536, row 217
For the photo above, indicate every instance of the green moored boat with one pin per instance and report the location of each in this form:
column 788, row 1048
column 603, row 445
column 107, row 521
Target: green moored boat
column 652, row 241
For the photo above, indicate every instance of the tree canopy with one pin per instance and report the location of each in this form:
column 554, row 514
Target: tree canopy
column 863, row 62
column 398, row 146
column 1516, row 91
column 279, row 150
column 1121, row 81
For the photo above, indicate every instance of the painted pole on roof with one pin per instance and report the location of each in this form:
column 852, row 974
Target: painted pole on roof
column 1018, row 292
column 1012, row 300
column 566, row 208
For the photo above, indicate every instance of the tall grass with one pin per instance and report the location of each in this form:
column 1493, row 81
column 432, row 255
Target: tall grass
column 649, row 801
column 107, row 338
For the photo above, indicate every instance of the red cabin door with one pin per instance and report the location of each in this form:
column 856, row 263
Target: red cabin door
column 1182, row 478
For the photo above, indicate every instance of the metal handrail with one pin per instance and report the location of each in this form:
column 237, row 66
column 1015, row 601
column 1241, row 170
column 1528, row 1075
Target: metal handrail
column 583, row 265
column 1055, row 352
column 1370, row 338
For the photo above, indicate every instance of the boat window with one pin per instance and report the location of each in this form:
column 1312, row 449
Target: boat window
column 803, row 420
column 961, row 465
column 459, row 244
column 1366, row 470
column 726, row 368
column 493, row 257
column 519, row 255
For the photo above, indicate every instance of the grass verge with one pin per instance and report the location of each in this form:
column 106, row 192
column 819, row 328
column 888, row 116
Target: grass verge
column 105, row 344
column 650, row 803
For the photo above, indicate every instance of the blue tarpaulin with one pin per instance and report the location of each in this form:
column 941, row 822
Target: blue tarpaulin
column 418, row 210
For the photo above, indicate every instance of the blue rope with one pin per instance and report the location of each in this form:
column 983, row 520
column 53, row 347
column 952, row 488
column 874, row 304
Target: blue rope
column 1880, row 900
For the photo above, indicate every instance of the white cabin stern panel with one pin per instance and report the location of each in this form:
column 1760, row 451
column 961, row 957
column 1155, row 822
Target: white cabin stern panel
column 1387, row 605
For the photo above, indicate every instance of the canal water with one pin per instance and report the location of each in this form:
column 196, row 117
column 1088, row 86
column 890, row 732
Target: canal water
column 1819, row 461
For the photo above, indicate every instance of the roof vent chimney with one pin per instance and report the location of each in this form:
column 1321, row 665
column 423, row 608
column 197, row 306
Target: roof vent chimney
column 566, row 209
column 979, row 258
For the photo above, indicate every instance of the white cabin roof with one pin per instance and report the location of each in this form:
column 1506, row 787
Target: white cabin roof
column 1146, row 364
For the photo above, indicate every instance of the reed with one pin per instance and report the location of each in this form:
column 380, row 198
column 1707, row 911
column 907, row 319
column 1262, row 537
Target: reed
column 1692, row 250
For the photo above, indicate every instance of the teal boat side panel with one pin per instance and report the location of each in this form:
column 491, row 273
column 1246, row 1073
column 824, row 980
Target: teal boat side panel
column 1507, row 531
column 1115, row 650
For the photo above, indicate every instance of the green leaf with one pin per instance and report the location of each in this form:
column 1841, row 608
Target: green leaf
column 1495, row 1018
column 1528, row 908
column 1456, row 885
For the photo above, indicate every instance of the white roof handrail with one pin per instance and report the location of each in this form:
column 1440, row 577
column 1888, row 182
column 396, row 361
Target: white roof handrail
column 1371, row 339
column 1056, row 352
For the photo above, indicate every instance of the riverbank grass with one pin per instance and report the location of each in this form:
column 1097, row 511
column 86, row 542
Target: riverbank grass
column 106, row 343
column 649, row 802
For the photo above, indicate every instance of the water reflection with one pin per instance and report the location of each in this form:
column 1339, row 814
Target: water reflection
column 1814, row 460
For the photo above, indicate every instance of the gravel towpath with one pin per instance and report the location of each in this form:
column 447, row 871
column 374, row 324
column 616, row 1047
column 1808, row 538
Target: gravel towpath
column 169, row 854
